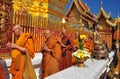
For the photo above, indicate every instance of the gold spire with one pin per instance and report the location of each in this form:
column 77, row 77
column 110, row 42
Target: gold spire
column 101, row 4
column 118, row 15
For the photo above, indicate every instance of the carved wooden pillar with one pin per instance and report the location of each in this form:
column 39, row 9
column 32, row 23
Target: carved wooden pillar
column 5, row 24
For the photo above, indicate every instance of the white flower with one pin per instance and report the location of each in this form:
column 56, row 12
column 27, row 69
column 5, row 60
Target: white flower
column 81, row 53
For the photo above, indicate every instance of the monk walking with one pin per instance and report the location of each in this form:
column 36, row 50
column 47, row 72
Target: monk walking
column 51, row 50
column 22, row 50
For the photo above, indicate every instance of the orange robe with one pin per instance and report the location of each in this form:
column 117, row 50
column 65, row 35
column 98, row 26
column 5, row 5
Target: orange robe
column 89, row 44
column 76, row 42
column 50, row 61
column 19, row 60
column 76, row 46
column 67, row 52
column 1, row 73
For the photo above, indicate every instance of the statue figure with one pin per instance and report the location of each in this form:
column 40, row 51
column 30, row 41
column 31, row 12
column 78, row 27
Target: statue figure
column 96, row 37
column 99, row 51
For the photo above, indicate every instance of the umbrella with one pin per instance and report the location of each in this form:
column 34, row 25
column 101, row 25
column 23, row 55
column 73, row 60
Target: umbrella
column 115, row 34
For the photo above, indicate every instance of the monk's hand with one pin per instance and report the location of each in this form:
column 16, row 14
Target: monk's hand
column 63, row 45
column 49, row 50
column 75, row 48
column 8, row 45
column 13, row 46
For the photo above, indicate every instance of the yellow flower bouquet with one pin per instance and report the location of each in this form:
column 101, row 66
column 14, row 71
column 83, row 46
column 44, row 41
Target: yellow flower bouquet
column 81, row 56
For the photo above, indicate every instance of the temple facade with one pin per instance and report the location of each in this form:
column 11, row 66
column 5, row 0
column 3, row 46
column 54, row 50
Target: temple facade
column 79, row 15
column 48, row 14
column 106, row 26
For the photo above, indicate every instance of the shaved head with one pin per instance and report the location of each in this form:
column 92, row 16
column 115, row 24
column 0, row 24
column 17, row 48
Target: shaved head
column 17, row 29
column 47, row 31
column 64, row 31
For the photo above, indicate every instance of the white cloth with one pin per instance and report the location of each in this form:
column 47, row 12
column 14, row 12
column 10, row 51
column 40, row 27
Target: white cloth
column 92, row 70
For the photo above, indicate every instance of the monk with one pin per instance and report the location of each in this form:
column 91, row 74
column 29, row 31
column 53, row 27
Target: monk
column 67, row 50
column 1, row 73
column 22, row 51
column 88, row 43
column 75, row 40
column 51, row 50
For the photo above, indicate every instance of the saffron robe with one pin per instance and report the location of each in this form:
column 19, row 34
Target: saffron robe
column 22, row 60
column 67, row 52
column 89, row 44
column 50, row 61
column 76, row 47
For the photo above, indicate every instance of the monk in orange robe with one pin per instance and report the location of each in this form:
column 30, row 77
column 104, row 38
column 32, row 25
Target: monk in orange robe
column 67, row 50
column 51, row 50
column 75, row 40
column 22, row 50
column 1, row 73
column 88, row 43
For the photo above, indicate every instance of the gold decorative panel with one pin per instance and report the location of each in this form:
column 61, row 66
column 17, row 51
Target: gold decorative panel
column 30, row 12
column 5, row 24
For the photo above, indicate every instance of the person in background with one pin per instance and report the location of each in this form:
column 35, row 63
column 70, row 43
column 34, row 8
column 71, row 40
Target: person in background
column 22, row 51
column 67, row 50
column 88, row 43
column 76, row 40
column 51, row 50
